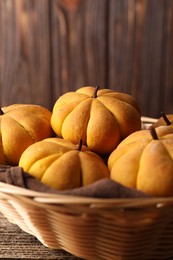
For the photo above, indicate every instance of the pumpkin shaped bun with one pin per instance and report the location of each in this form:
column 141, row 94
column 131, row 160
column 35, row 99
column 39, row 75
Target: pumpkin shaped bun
column 100, row 117
column 164, row 119
column 21, row 126
column 144, row 160
column 62, row 165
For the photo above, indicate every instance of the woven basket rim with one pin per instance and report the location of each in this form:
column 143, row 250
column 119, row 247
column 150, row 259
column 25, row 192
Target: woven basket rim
column 8, row 191
column 146, row 119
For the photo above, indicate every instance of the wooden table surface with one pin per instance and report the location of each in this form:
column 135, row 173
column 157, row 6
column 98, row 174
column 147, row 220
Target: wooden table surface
column 16, row 244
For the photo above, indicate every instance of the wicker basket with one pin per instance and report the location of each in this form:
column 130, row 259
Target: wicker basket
column 93, row 228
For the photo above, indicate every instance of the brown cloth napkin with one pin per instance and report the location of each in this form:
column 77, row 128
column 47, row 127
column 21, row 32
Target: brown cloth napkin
column 105, row 188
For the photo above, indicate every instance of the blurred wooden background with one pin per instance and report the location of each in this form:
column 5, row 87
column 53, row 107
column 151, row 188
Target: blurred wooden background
column 49, row 47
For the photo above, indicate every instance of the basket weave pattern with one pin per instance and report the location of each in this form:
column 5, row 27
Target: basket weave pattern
column 94, row 228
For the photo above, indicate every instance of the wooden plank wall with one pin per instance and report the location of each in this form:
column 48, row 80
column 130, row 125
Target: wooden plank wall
column 49, row 47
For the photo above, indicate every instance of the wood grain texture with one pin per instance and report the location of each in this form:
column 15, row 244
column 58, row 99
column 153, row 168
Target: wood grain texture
column 25, row 52
column 139, row 63
column 49, row 47
column 16, row 244
column 78, row 45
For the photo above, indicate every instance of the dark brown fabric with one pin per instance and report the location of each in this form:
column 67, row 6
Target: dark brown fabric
column 105, row 188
